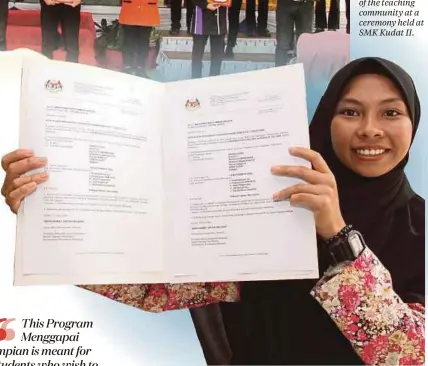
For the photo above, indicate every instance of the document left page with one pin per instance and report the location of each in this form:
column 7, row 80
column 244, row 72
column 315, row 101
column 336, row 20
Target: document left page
column 98, row 220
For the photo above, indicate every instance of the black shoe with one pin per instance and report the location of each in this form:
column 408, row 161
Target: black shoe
column 174, row 32
column 264, row 33
column 228, row 54
column 319, row 30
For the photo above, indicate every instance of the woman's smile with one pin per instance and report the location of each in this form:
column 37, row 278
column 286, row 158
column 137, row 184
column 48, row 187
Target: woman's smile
column 371, row 154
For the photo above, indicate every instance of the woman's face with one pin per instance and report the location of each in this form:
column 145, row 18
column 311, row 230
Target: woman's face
column 371, row 131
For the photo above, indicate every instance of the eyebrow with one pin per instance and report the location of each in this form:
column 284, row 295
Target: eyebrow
column 357, row 102
column 350, row 101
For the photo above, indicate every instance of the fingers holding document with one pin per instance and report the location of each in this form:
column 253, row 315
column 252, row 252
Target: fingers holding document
column 317, row 191
column 17, row 185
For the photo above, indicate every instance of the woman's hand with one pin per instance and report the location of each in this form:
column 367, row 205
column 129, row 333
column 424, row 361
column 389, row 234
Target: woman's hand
column 51, row 2
column 16, row 185
column 318, row 192
column 72, row 3
column 212, row 6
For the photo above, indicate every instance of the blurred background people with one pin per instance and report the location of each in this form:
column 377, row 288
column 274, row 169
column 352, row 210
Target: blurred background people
column 67, row 14
column 176, row 9
column 348, row 16
column 209, row 22
column 4, row 12
column 330, row 22
column 293, row 18
column 138, row 19
column 257, row 28
column 234, row 22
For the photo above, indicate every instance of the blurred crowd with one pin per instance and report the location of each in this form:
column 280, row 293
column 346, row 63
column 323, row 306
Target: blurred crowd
column 205, row 20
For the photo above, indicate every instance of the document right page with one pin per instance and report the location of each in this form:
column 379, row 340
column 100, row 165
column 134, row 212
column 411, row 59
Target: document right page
column 221, row 137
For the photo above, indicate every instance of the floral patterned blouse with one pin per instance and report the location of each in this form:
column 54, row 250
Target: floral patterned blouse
column 359, row 298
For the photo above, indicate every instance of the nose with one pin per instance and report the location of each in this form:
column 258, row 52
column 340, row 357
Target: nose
column 369, row 127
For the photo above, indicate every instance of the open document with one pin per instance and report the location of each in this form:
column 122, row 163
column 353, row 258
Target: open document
column 155, row 183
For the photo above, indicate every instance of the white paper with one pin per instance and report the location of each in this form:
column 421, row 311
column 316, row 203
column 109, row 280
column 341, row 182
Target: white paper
column 155, row 183
column 99, row 218
column 221, row 138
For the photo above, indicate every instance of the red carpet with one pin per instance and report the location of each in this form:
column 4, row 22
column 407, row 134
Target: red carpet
column 24, row 31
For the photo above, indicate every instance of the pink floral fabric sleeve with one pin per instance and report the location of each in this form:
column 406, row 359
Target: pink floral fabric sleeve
column 162, row 297
column 380, row 326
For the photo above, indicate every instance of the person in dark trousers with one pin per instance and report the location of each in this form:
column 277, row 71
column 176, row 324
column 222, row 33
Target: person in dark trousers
column 290, row 14
column 321, row 20
column 176, row 16
column 259, row 27
column 234, row 13
column 67, row 14
column 4, row 12
column 348, row 16
column 137, row 21
column 209, row 22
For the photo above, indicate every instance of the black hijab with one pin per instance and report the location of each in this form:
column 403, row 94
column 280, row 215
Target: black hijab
column 365, row 200
column 278, row 322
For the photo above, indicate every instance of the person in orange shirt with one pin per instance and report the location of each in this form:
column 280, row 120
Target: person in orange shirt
column 137, row 17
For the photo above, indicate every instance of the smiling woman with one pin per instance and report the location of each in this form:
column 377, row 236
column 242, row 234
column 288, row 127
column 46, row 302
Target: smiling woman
column 372, row 129
column 368, row 306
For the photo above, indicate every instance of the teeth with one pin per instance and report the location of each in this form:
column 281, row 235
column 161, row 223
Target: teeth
column 370, row 152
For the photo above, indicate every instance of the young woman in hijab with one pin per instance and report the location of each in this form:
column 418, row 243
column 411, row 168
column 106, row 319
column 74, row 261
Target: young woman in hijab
column 372, row 300
column 368, row 306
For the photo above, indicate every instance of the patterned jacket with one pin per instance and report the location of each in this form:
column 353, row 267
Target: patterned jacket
column 359, row 298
